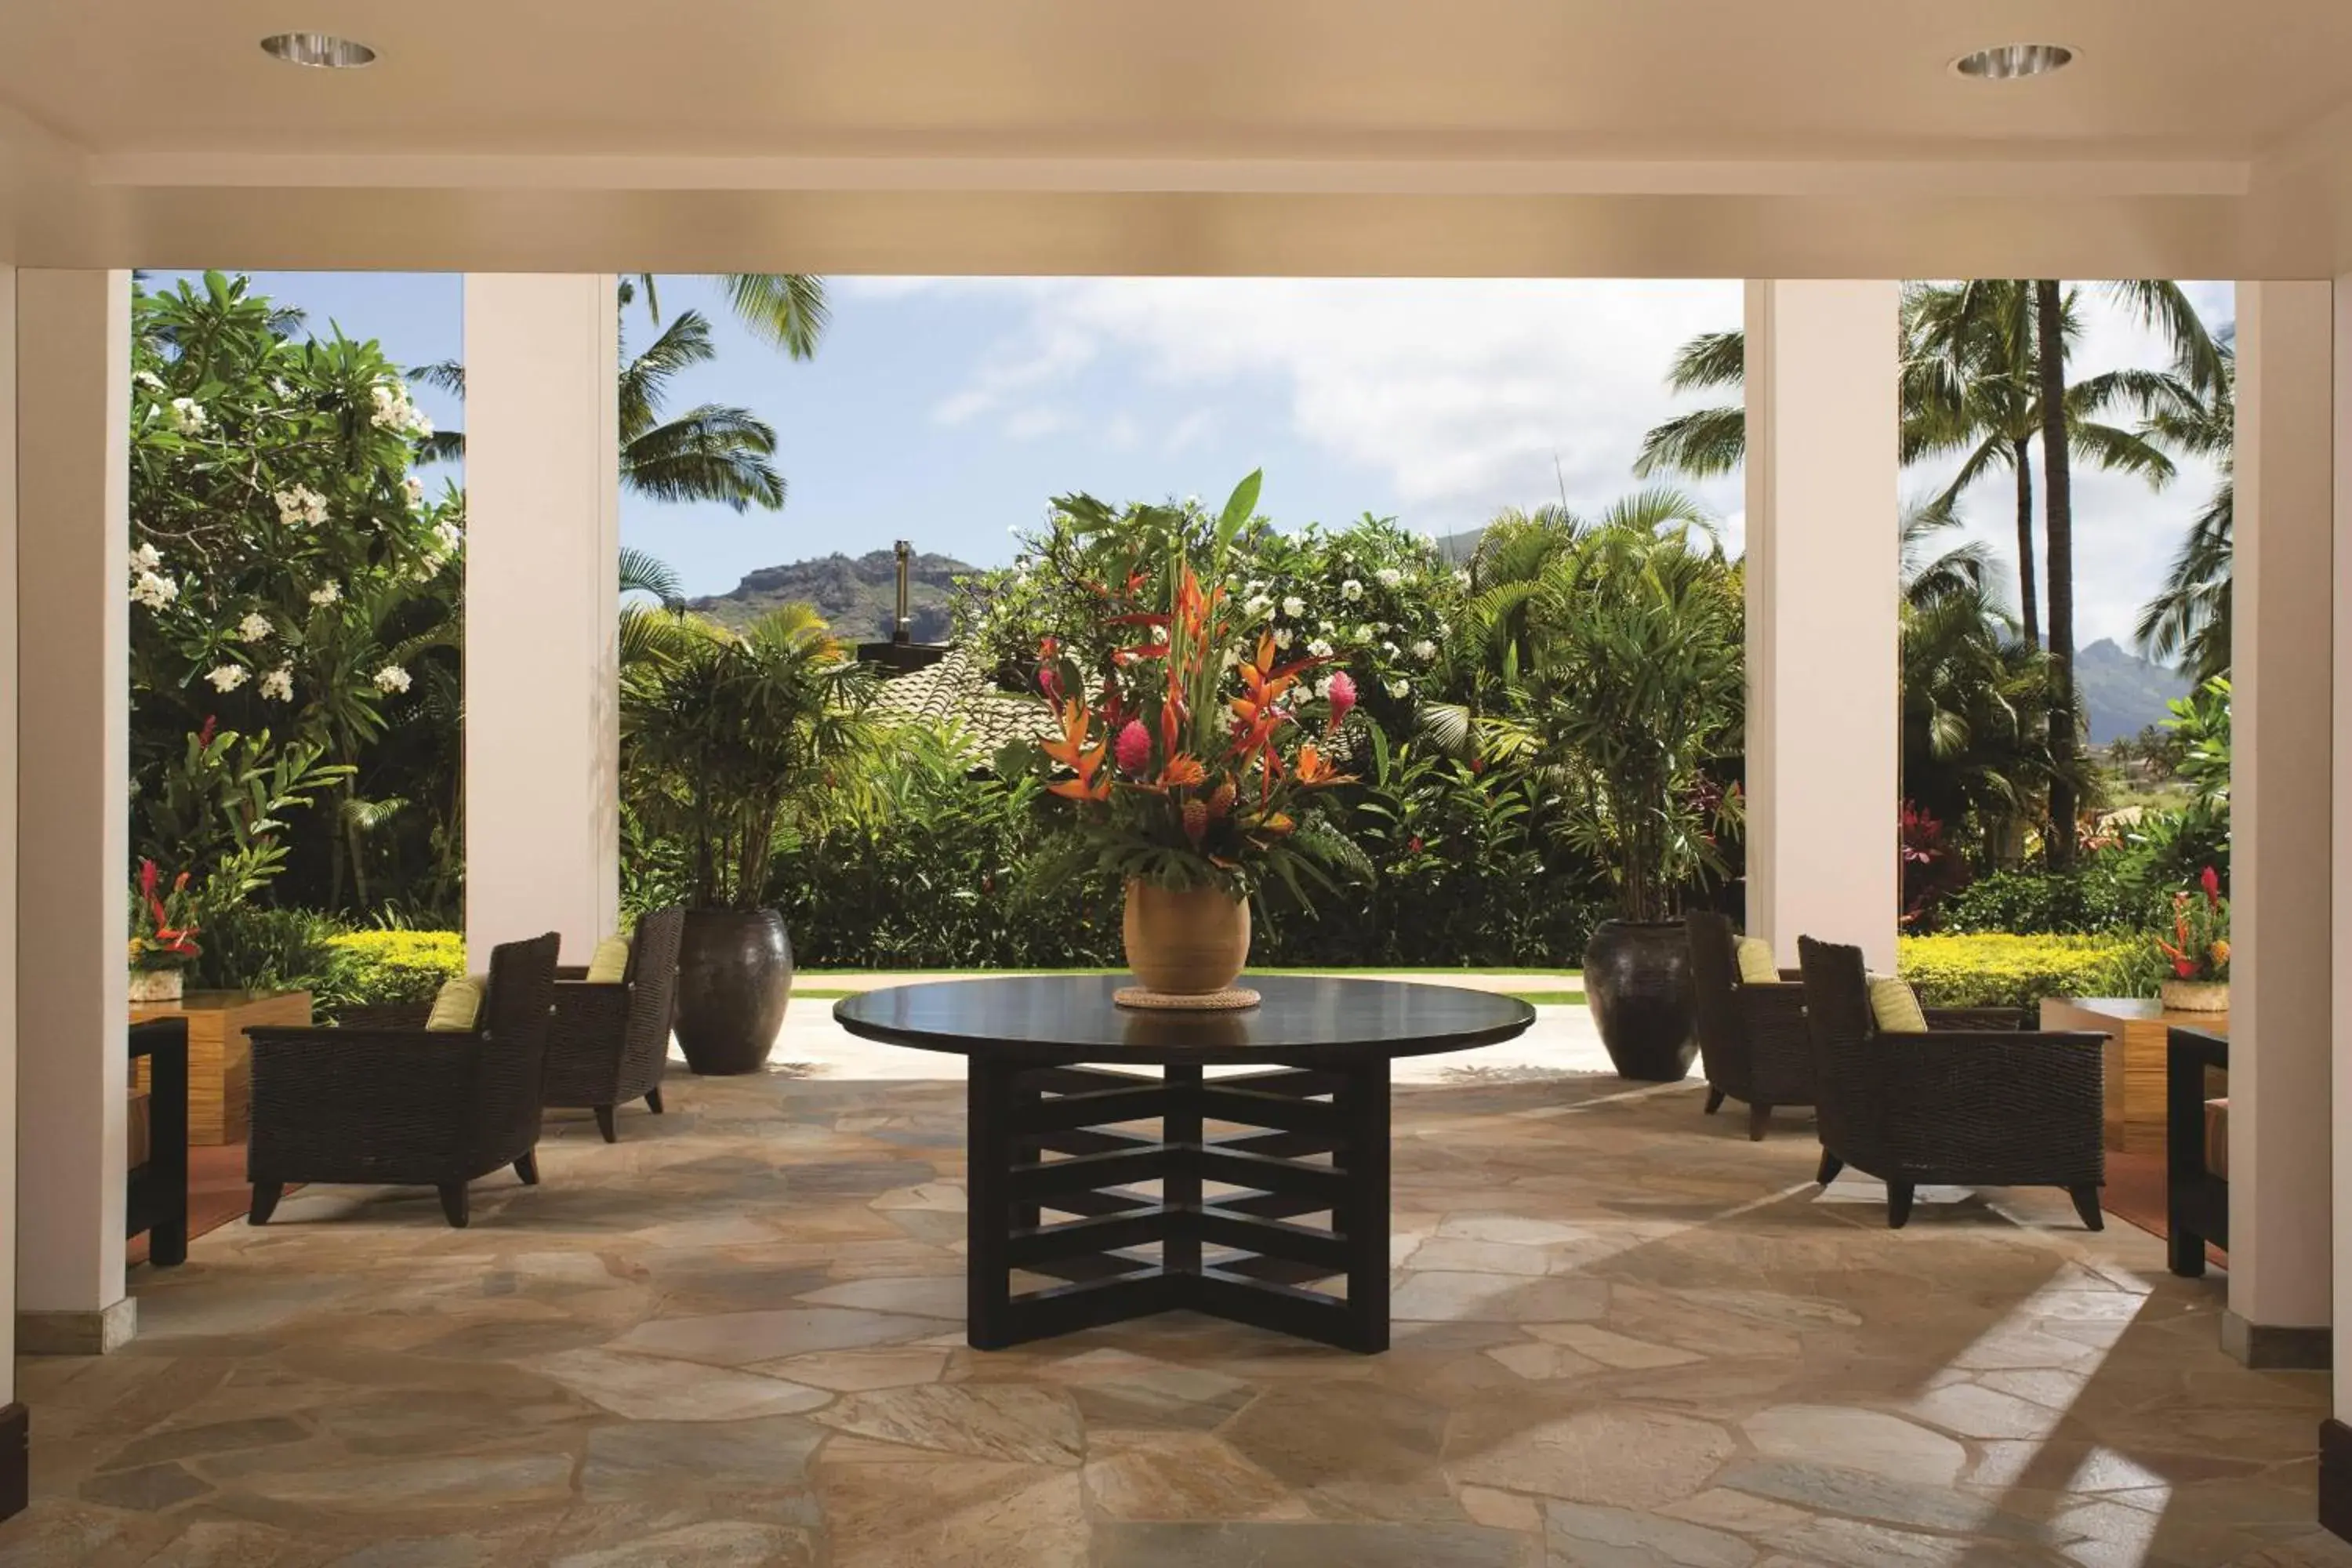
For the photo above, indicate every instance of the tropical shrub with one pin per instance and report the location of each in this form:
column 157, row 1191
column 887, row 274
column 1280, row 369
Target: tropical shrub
column 251, row 947
column 1994, row 970
column 291, row 576
column 379, row 968
column 2106, row 892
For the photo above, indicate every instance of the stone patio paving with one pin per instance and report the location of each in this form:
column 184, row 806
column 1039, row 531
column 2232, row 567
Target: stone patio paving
column 1626, row 1337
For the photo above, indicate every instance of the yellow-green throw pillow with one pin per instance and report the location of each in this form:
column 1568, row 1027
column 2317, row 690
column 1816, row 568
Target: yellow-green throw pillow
column 457, row 1005
column 609, row 964
column 1895, row 1006
column 1756, row 965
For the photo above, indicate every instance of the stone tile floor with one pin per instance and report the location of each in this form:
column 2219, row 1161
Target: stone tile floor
column 1625, row 1337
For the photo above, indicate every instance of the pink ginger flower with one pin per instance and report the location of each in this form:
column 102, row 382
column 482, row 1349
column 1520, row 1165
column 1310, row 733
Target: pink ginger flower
column 1342, row 695
column 1134, row 749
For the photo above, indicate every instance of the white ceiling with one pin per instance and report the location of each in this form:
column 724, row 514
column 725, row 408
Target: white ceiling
column 1480, row 135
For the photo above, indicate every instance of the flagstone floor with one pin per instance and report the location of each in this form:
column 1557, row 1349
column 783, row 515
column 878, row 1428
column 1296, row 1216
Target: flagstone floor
column 1625, row 1337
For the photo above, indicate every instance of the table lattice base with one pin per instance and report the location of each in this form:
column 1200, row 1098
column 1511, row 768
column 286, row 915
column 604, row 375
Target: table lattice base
column 1059, row 1159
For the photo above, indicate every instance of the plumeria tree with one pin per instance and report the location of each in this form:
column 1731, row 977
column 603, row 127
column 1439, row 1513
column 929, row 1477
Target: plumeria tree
column 291, row 577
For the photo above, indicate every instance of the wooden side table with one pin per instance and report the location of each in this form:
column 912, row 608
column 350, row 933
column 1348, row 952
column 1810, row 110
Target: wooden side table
column 2136, row 1033
column 220, row 1056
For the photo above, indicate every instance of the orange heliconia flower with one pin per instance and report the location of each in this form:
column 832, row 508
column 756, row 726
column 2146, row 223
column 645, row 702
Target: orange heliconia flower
column 1073, row 752
column 1314, row 768
column 1182, row 772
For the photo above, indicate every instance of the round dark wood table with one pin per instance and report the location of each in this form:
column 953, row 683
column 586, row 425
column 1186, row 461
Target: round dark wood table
column 1062, row 1136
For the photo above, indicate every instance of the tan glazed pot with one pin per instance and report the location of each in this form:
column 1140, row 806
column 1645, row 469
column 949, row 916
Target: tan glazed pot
column 1187, row 943
column 2194, row 995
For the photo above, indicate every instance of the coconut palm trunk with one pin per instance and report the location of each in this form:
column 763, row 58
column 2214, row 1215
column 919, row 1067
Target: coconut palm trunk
column 2029, row 601
column 2058, row 500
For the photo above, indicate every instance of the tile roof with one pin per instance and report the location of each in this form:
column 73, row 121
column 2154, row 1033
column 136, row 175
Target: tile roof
column 956, row 695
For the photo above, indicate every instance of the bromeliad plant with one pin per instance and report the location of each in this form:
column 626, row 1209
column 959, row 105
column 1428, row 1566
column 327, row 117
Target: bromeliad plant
column 1189, row 756
column 163, row 931
column 2199, row 950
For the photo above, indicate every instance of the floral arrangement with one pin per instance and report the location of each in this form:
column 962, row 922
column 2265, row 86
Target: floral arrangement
column 1191, row 755
column 2200, row 948
column 166, row 928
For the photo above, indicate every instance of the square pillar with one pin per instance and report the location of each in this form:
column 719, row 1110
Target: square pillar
column 2282, row 808
column 72, row 734
column 543, row 605
column 1824, row 594
column 13, row 1462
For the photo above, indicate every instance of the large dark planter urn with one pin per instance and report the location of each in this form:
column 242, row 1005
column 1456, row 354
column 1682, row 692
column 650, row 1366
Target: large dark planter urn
column 1637, row 982
column 734, row 976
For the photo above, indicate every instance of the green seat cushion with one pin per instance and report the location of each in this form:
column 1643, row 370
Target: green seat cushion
column 1756, row 965
column 609, row 964
column 1895, row 1006
column 457, row 1006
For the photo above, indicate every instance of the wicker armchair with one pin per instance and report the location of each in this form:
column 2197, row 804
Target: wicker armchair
column 1752, row 1041
column 1991, row 1108
column 608, row 1044
column 381, row 1100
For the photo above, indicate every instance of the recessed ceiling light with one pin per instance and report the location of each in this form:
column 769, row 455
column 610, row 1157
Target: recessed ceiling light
column 2013, row 62
column 323, row 50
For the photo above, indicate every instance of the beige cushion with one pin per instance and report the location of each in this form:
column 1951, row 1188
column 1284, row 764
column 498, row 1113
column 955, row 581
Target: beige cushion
column 2217, row 1138
column 1756, row 965
column 459, row 1005
column 609, row 964
column 1895, row 1006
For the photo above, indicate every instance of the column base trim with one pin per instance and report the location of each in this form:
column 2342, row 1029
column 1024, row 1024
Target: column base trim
column 2336, row 1478
column 2276, row 1347
column 15, row 1459
column 101, row 1331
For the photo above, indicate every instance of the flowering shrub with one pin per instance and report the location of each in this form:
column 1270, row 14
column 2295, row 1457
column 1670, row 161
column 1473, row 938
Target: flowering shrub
column 378, row 968
column 289, row 574
column 2198, row 946
column 1994, row 970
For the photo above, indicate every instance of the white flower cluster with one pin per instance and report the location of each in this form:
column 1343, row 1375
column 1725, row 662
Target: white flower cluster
column 1320, row 648
column 255, row 628
column 227, row 678
column 300, row 507
column 392, row 678
column 326, row 593
column 1424, row 650
column 1400, row 689
column 186, row 415
column 450, row 535
column 1294, row 607
column 1389, row 577
column 148, row 584
column 395, row 412
column 415, row 488
column 277, row 686
column 1351, row 590
column 148, row 379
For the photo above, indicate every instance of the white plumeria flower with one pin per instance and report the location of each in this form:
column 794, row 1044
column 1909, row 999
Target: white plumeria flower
column 430, row 567
column 148, row 379
column 390, row 679
column 1351, row 590
column 153, row 589
column 1325, row 626
column 1390, row 649
column 227, row 678
column 1319, row 649
column 1389, row 577
column 1400, row 689
column 1284, row 638
column 326, row 593
column 147, row 558
column 300, row 507
column 1461, row 579
column 1257, row 607
column 187, row 417
column 1232, row 657
column 1424, row 650
column 255, row 628
column 277, row 686
column 415, row 489
column 1294, row 607
column 450, row 535
column 395, row 412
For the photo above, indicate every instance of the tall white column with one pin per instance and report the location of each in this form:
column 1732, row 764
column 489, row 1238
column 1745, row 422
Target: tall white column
column 2282, row 811
column 73, row 740
column 2340, row 934
column 1824, row 568
column 543, row 660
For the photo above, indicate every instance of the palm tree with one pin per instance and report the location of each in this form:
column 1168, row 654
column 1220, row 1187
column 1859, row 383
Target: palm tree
column 787, row 309
column 709, row 453
column 2188, row 620
column 2203, row 370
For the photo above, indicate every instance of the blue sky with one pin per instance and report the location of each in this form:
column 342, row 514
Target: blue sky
column 948, row 410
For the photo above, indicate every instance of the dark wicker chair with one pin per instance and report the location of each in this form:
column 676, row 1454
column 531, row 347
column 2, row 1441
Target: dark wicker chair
column 608, row 1044
column 382, row 1100
column 155, row 1193
column 2197, row 1187
column 1752, row 1041
column 1977, row 1108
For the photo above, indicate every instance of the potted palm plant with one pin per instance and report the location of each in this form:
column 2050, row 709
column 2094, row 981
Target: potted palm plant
column 725, row 735
column 1632, row 686
column 1191, row 751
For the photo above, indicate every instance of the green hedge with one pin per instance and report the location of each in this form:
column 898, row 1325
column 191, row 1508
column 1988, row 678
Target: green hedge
column 1999, row 969
column 377, row 968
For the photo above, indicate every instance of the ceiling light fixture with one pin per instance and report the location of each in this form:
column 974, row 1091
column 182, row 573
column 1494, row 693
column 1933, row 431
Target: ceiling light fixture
column 2014, row 62
column 323, row 50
